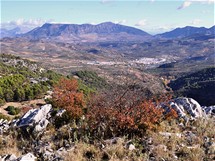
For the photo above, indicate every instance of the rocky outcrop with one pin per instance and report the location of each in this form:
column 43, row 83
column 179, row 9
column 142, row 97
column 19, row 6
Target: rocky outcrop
column 36, row 118
column 189, row 108
column 185, row 106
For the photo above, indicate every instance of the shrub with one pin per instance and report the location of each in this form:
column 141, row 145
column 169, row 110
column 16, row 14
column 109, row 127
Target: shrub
column 13, row 110
column 126, row 115
column 67, row 96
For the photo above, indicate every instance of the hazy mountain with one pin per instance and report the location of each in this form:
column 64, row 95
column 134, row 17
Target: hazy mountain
column 212, row 30
column 9, row 33
column 187, row 31
column 107, row 31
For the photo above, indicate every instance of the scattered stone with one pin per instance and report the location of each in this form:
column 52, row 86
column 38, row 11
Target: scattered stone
column 4, row 126
column 27, row 157
column 9, row 157
column 168, row 134
column 209, row 110
column 131, row 147
column 60, row 112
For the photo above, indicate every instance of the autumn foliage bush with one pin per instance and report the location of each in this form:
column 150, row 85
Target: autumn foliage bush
column 116, row 112
column 126, row 115
column 67, row 96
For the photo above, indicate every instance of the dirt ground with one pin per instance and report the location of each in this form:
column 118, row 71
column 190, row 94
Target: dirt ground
column 32, row 103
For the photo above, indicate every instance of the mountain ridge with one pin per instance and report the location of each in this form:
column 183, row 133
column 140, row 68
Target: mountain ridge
column 107, row 31
column 187, row 31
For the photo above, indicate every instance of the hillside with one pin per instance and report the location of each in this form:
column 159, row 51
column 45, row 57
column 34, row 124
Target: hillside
column 199, row 85
column 120, row 123
column 22, row 79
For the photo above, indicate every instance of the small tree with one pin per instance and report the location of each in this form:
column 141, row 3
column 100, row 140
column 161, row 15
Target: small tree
column 67, row 96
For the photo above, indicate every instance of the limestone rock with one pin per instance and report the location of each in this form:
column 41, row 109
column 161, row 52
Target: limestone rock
column 131, row 147
column 185, row 106
column 37, row 118
column 27, row 157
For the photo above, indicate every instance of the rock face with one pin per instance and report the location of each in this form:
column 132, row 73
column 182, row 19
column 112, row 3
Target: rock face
column 186, row 108
column 37, row 118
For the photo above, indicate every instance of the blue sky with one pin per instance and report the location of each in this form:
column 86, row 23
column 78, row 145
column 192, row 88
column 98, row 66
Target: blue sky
column 153, row 16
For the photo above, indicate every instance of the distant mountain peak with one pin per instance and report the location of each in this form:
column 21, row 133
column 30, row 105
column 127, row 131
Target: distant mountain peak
column 106, row 31
column 186, row 31
column 9, row 33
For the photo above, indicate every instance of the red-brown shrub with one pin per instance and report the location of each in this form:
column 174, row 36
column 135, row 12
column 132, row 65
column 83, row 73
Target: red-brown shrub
column 67, row 96
column 125, row 115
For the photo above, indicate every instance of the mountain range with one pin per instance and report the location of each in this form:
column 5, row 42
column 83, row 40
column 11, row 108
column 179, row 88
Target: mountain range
column 107, row 31
column 187, row 32
column 103, row 32
column 9, row 33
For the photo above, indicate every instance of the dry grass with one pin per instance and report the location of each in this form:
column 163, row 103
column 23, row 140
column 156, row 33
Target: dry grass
column 112, row 152
column 8, row 145
column 83, row 152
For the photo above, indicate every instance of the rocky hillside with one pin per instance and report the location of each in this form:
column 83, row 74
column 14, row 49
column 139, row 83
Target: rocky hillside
column 37, row 138
column 22, row 79
column 120, row 123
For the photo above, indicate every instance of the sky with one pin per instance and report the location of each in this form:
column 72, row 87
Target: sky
column 152, row 16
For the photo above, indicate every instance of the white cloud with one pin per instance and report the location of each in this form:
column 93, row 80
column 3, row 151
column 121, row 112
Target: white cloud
column 196, row 22
column 23, row 24
column 188, row 3
column 120, row 22
column 185, row 4
column 141, row 23
column 107, row 1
